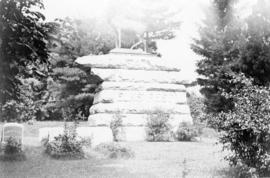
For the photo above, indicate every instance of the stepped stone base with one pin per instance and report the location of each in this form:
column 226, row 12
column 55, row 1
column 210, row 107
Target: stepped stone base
column 135, row 85
column 133, row 128
column 137, row 120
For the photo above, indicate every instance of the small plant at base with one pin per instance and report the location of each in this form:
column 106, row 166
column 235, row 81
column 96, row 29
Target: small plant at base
column 114, row 150
column 66, row 145
column 186, row 132
column 115, row 124
column 12, row 146
column 158, row 127
column 12, row 150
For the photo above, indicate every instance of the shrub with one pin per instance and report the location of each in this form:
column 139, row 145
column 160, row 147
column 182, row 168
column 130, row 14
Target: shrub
column 246, row 128
column 197, row 107
column 66, row 145
column 114, row 150
column 12, row 146
column 158, row 127
column 115, row 125
column 186, row 132
column 12, row 150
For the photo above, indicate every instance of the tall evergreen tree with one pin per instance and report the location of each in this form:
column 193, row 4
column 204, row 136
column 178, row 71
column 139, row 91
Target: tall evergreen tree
column 229, row 45
column 217, row 47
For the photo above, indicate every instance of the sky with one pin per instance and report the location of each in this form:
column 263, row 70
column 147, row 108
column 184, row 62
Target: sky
column 176, row 51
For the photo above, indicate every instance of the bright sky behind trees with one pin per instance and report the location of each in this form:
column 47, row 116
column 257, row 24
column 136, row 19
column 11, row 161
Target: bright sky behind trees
column 176, row 50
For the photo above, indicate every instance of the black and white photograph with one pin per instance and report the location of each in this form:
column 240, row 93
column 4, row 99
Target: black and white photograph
column 134, row 88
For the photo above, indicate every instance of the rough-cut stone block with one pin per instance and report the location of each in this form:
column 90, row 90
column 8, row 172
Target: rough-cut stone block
column 112, row 96
column 130, row 133
column 96, row 134
column 104, row 119
column 138, row 108
column 114, row 61
column 142, row 86
column 124, row 75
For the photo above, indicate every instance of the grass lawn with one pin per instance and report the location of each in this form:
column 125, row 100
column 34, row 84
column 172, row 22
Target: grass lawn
column 152, row 159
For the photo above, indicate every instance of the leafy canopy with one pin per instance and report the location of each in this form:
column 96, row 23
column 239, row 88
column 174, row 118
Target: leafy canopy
column 23, row 39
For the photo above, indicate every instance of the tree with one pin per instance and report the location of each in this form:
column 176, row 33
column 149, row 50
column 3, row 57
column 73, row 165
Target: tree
column 254, row 45
column 23, row 40
column 159, row 22
column 218, row 49
column 148, row 20
column 235, row 79
column 71, row 86
column 230, row 45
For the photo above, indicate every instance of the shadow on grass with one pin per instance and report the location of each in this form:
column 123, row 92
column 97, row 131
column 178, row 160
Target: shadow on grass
column 13, row 157
column 229, row 172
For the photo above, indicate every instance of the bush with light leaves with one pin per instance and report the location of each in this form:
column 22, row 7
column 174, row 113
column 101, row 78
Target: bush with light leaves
column 245, row 129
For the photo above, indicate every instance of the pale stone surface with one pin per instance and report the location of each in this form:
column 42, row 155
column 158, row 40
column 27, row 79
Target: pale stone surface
column 14, row 130
column 135, row 62
column 142, row 86
column 136, row 84
column 138, row 108
column 132, row 133
column 96, row 134
column 104, row 119
column 124, row 75
column 49, row 132
column 113, row 96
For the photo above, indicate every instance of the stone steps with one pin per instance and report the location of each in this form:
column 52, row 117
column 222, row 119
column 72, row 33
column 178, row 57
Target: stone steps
column 104, row 119
column 130, row 62
column 136, row 85
column 114, row 96
column 142, row 86
column 139, row 108
column 140, row 76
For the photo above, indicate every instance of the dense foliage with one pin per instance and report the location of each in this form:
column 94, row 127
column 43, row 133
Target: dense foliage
column 237, row 106
column 227, row 45
column 246, row 128
column 23, row 40
column 71, row 85
column 24, row 59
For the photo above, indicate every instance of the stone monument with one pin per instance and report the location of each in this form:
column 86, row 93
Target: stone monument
column 13, row 130
column 136, row 84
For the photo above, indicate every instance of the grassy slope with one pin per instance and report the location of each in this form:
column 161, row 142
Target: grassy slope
column 174, row 159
